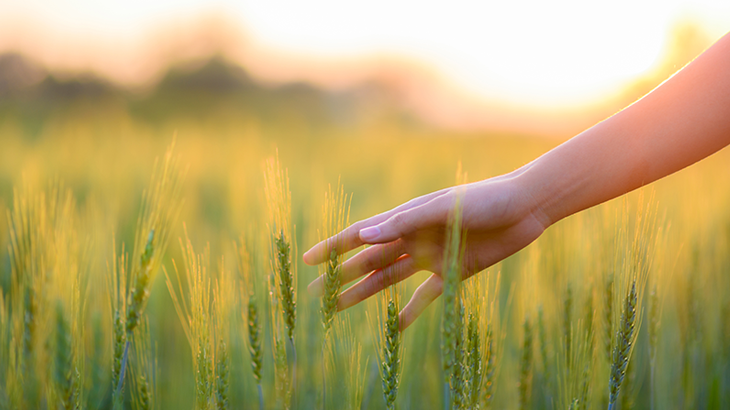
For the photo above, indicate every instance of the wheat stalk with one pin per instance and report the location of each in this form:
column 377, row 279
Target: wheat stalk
column 282, row 381
column 196, row 314
column 653, row 340
column 161, row 207
column 453, row 255
column 458, row 388
column 589, row 346
column 624, row 344
column 474, row 361
column 162, row 203
column 336, row 215
column 281, row 367
column 223, row 305
column 278, row 198
column 608, row 314
column 353, row 364
column 492, row 335
column 525, row 365
column 391, row 353
column 118, row 348
column 477, row 299
column 490, row 368
column 145, row 370
column 63, row 375
column 385, row 327
column 222, row 376
column 251, row 314
column 567, row 318
column 34, row 224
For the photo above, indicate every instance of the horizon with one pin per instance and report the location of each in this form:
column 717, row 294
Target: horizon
column 551, row 98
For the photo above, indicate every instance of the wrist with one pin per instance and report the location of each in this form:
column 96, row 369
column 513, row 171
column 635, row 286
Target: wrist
column 542, row 191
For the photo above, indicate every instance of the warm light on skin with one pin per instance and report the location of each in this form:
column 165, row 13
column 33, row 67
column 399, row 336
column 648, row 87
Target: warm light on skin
column 534, row 53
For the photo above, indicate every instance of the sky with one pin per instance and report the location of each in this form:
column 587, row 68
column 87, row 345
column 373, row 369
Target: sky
column 549, row 54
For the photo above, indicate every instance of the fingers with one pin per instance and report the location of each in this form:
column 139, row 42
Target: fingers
column 350, row 239
column 368, row 260
column 406, row 222
column 429, row 290
column 344, row 241
column 377, row 281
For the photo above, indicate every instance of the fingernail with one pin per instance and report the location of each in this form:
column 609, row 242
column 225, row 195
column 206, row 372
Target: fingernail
column 370, row 234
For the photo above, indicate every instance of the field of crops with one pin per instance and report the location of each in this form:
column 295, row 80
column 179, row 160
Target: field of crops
column 138, row 275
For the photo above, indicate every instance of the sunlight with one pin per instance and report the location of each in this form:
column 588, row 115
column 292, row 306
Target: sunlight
column 562, row 53
column 547, row 53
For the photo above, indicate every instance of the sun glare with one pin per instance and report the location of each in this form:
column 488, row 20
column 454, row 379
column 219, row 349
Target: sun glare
column 543, row 54
column 534, row 53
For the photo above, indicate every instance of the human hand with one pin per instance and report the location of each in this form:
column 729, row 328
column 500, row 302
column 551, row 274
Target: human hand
column 499, row 216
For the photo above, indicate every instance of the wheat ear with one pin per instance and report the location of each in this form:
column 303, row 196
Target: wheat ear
column 391, row 355
column 624, row 344
column 474, row 362
column 251, row 316
column 458, row 388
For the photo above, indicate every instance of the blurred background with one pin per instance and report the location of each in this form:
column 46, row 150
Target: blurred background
column 90, row 91
column 387, row 96
column 545, row 68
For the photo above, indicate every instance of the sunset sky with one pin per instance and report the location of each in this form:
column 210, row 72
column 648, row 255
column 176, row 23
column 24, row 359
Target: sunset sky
column 530, row 53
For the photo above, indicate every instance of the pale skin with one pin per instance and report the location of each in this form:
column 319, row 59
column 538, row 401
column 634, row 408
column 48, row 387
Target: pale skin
column 682, row 121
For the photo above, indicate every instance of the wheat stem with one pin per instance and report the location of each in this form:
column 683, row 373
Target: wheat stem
column 608, row 314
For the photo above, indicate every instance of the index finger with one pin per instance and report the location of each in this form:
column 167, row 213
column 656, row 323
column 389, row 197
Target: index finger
column 349, row 238
column 344, row 241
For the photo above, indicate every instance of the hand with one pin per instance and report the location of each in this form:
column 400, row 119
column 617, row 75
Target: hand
column 498, row 214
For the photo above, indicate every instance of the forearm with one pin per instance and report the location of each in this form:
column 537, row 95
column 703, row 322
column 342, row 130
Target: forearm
column 682, row 121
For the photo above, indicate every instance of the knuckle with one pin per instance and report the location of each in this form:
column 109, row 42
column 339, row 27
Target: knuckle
column 369, row 263
column 399, row 222
column 356, row 227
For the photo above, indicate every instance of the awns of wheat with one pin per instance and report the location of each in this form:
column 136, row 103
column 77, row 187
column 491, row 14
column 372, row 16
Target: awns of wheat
column 283, row 266
column 161, row 207
column 336, row 210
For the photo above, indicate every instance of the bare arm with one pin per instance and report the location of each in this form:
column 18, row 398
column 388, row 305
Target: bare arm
column 682, row 121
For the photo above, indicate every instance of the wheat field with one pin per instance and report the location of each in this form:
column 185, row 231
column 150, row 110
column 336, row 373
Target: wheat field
column 158, row 265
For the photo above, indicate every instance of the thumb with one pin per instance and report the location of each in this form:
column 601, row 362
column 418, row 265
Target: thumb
column 406, row 222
